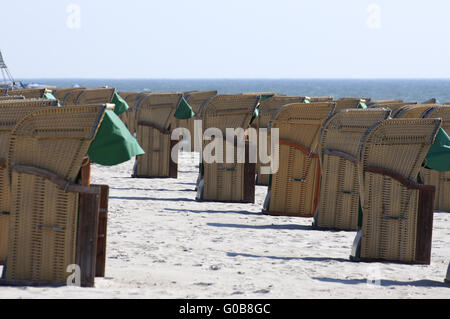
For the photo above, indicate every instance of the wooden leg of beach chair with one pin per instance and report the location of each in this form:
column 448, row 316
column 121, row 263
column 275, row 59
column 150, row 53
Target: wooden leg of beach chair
column 173, row 166
column 86, row 251
column 100, row 264
column 249, row 177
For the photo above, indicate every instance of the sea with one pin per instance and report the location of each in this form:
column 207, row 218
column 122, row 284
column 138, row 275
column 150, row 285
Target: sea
column 408, row 90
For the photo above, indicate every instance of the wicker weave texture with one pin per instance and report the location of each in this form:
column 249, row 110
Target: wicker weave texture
column 295, row 187
column 339, row 147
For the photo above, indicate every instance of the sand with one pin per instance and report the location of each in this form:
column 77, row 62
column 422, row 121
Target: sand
column 164, row 244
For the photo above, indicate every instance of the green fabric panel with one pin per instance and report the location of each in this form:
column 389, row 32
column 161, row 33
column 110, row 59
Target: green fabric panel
column 438, row 157
column 113, row 143
column 266, row 96
column 184, row 110
column 49, row 96
column 255, row 114
column 121, row 104
column 362, row 105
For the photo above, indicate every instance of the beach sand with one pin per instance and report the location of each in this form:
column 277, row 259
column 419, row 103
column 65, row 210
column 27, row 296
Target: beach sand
column 164, row 244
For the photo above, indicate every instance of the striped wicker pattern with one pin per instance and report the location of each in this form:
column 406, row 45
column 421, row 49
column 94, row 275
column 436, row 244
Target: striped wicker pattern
column 391, row 208
column 319, row 99
column 393, row 106
column 227, row 181
column 13, row 97
column 339, row 150
column 154, row 126
column 89, row 96
column 129, row 116
column 43, row 220
column 414, row 111
column 295, row 187
column 372, row 103
column 347, row 104
column 266, row 110
column 441, row 180
column 11, row 112
column 28, row 93
column 61, row 94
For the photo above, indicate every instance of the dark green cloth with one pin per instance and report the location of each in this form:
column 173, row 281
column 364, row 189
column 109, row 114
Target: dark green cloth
column 49, row 96
column 362, row 105
column 438, row 157
column 121, row 104
column 266, row 96
column 255, row 113
column 113, row 143
column 184, row 110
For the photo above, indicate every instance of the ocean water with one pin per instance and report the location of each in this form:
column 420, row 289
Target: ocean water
column 407, row 90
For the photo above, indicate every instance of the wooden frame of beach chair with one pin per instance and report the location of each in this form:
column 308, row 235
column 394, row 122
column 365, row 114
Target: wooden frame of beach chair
column 36, row 93
column 441, row 180
column 196, row 100
column 397, row 212
column 339, row 147
column 155, row 118
column 53, row 220
column 294, row 189
column 414, row 111
column 228, row 182
column 266, row 110
column 11, row 112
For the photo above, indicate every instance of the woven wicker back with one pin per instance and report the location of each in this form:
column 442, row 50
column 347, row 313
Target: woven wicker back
column 90, row 96
column 412, row 111
column 197, row 99
column 45, row 137
column 61, row 94
column 339, row 150
column 393, row 106
column 399, row 145
column 372, row 103
column 29, row 93
column 269, row 106
column 229, row 111
column 295, row 187
column 158, row 109
column 347, row 104
column 13, row 97
column 317, row 99
column 128, row 117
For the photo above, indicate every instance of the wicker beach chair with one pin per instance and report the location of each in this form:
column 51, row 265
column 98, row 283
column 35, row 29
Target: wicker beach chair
column 266, row 110
column 13, row 97
column 414, row 111
column 441, row 180
column 373, row 103
column 348, row 103
column 339, row 146
column 37, row 93
column 196, row 100
column 320, row 99
column 53, row 220
column 294, row 189
column 397, row 212
column 392, row 106
column 219, row 180
column 61, row 94
column 155, row 121
column 89, row 96
column 11, row 112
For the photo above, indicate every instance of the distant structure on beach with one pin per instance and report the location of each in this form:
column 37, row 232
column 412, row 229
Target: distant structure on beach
column 8, row 81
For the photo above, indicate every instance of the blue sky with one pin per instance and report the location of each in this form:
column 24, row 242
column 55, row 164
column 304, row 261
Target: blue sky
column 226, row 39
